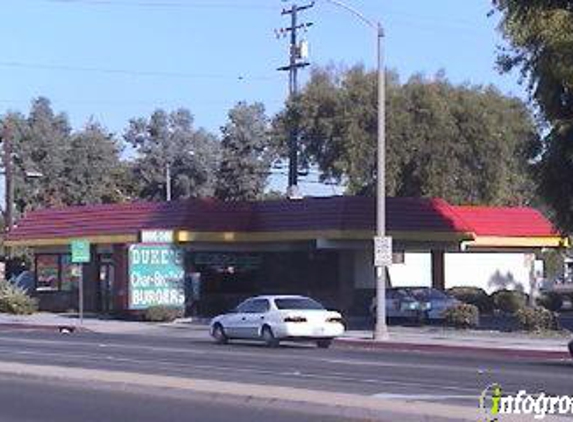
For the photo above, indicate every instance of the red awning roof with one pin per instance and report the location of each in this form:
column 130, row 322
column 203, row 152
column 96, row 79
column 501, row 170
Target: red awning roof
column 331, row 213
column 505, row 221
column 342, row 213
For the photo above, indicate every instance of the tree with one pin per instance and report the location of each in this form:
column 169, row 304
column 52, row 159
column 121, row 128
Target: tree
column 92, row 167
column 245, row 155
column 170, row 139
column 73, row 168
column 540, row 44
column 467, row 144
column 40, row 144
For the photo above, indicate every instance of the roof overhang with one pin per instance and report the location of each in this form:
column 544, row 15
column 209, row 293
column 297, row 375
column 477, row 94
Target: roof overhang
column 500, row 242
column 231, row 237
column 59, row 241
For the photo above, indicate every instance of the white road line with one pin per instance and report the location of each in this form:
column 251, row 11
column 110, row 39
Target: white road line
column 424, row 397
column 278, row 356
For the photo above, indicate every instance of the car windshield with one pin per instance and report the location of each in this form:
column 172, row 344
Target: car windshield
column 302, row 303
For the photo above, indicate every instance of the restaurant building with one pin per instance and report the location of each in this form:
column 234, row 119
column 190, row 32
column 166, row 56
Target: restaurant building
column 217, row 253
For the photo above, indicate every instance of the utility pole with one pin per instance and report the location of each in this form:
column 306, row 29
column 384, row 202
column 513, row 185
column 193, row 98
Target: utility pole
column 297, row 61
column 9, row 180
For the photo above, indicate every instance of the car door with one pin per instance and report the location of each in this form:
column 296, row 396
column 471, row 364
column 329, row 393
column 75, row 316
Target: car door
column 235, row 322
column 255, row 317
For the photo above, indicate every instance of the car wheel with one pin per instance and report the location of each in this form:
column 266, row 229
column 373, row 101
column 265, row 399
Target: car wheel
column 323, row 343
column 219, row 334
column 571, row 348
column 268, row 337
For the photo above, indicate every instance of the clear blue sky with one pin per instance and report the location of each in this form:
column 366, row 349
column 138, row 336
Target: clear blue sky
column 117, row 59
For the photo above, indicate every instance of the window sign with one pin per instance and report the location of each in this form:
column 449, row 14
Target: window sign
column 80, row 251
column 156, row 276
column 47, row 272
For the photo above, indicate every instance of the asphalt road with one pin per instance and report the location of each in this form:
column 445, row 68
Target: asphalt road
column 442, row 378
column 35, row 400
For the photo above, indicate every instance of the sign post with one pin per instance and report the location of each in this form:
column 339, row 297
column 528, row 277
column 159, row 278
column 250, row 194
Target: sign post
column 81, row 255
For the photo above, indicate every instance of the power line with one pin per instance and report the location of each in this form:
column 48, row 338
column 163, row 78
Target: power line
column 127, row 72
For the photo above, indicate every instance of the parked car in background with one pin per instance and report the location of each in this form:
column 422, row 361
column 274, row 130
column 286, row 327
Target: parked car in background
column 25, row 280
column 401, row 304
column 275, row 318
column 435, row 301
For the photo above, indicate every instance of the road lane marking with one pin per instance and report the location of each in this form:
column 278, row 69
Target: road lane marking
column 424, row 397
column 254, row 354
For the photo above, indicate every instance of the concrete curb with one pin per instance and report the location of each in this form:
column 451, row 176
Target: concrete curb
column 448, row 348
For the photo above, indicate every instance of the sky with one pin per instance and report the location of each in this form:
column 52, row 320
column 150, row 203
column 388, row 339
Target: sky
column 113, row 60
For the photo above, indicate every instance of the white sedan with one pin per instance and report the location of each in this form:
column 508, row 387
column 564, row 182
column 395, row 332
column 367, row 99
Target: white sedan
column 275, row 318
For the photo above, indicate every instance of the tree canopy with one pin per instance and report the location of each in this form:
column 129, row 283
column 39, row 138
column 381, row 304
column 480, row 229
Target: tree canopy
column 245, row 154
column 539, row 34
column 467, row 144
column 73, row 168
column 171, row 139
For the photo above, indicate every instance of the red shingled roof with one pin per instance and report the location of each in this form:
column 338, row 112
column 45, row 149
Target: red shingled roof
column 332, row 213
column 505, row 221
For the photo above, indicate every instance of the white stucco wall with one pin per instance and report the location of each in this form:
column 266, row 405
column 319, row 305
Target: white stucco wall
column 490, row 271
column 415, row 271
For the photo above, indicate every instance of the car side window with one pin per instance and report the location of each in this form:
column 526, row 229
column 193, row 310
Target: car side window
column 258, row 306
column 244, row 307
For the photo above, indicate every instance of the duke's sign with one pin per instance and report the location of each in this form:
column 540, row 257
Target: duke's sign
column 156, row 276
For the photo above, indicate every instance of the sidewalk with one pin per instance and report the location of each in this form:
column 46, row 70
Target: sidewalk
column 49, row 321
column 437, row 339
column 421, row 339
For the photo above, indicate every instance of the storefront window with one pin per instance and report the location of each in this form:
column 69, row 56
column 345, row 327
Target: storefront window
column 47, row 272
column 71, row 274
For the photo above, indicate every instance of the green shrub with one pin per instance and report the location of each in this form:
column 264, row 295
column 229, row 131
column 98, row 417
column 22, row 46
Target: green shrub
column 473, row 296
column 536, row 319
column 462, row 316
column 509, row 301
column 14, row 300
column 162, row 314
column 550, row 300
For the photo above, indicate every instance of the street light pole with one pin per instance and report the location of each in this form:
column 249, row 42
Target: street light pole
column 381, row 329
